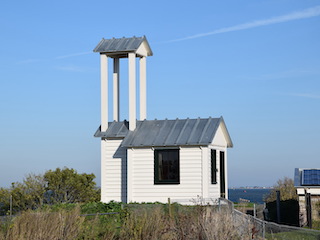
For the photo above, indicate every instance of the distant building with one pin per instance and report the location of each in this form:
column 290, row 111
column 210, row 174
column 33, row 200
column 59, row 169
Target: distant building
column 153, row 160
column 307, row 181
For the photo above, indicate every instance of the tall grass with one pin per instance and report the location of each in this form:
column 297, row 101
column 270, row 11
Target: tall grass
column 46, row 225
column 149, row 222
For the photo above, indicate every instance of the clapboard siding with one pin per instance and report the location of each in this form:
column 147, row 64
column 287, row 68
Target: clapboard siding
column 113, row 171
column 143, row 187
column 220, row 144
column 195, row 174
column 214, row 189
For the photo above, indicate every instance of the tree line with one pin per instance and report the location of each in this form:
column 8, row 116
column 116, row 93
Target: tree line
column 53, row 187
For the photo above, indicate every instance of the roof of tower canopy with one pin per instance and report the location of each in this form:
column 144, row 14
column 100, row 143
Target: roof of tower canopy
column 120, row 47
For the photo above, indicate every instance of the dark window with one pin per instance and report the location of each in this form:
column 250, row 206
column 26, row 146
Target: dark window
column 166, row 166
column 213, row 166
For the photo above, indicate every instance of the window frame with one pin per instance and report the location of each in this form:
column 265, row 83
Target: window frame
column 222, row 175
column 156, row 167
column 214, row 168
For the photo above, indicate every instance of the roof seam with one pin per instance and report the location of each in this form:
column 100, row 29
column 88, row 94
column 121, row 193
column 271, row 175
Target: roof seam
column 205, row 129
column 157, row 134
column 170, row 133
column 194, row 129
column 182, row 130
column 131, row 132
column 162, row 127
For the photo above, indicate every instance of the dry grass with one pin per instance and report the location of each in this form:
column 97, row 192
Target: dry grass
column 221, row 225
column 145, row 223
column 97, row 228
column 149, row 223
column 46, row 225
column 202, row 222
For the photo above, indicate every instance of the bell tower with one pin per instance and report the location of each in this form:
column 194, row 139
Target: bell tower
column 116, row 48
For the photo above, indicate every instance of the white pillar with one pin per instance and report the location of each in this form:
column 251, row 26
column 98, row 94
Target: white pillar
column 132, row 91
column 104, row 91
column 116, row 90
column 143, row 88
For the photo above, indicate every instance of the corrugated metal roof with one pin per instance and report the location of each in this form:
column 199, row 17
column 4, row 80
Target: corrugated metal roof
column 118, row 45
column 161, row 133
column 115, row 130
column 179, row 132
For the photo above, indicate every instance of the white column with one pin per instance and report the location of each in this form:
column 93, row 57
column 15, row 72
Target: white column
column 143, row 88
column 116, row 90
column 104, row 91
column 132, row 91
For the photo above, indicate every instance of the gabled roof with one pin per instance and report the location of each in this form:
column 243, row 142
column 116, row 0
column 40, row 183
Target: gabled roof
column 122, row 45
column 160, row 133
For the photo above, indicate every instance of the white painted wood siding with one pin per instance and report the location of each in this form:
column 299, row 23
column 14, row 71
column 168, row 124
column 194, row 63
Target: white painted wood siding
column 143, row 187
column 219, row 143
column 113, row 171
column 219, row 139
column 214, row 189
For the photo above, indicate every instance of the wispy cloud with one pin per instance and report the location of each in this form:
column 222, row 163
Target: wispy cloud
column 73, row 55
column 71, row 68
column 306, row 13
column 305, row 95
column 290, row 74
column 29, row 61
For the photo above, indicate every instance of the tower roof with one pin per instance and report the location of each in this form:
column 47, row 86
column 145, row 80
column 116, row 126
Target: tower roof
column 120, row 47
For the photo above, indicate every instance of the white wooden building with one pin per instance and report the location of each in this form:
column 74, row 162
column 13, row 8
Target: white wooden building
column 153, row 160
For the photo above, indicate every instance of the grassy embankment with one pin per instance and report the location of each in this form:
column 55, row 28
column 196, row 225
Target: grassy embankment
column 136, row 221
column 147, row 221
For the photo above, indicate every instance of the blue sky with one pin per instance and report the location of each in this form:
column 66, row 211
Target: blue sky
column 254, row 62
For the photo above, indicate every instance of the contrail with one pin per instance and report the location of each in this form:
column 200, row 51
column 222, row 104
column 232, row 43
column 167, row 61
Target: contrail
column 73, row 55
column 306, row 13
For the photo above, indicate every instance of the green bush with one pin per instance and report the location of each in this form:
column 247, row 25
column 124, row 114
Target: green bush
column 99, row 207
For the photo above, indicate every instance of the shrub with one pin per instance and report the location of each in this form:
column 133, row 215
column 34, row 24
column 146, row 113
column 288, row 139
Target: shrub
column 286, row 188
column 99, row 207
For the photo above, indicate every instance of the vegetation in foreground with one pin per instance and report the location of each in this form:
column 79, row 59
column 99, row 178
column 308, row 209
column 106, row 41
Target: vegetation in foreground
column 286, row 188
column 146, row 221
column 294, row 235
column 53, row 187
